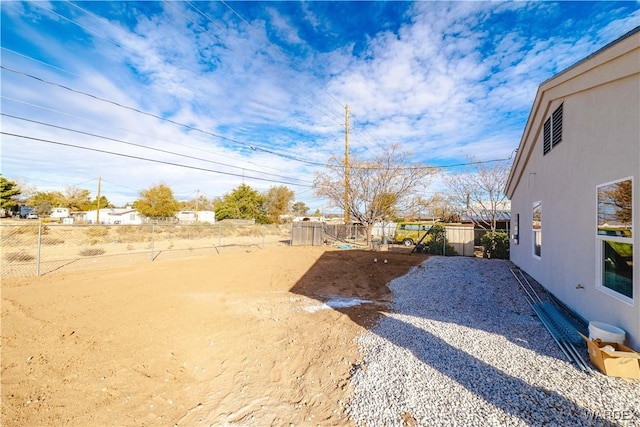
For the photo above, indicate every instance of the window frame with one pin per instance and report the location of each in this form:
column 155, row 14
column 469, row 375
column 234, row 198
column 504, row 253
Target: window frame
column 533, row 230
column 516, row 230
column 600, row 239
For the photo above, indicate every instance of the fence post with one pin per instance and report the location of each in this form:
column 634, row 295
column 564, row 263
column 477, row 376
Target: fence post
column 153, row 240
column 444, row 241
column 39, row 248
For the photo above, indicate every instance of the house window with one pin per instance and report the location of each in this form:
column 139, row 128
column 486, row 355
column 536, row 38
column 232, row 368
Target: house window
column 516, row 230
column 410, row 227
column 536, row 226
column 552, row 130
column 614, row 238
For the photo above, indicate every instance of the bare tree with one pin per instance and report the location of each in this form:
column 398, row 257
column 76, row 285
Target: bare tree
column 438, row 206
column 377, row 189
column 76, row 198
column 480, row 192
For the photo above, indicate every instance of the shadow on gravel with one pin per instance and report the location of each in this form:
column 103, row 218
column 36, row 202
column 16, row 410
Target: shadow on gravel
column 464, row 303
column 512, row 395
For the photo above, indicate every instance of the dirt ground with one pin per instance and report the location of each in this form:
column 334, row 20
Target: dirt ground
column 238, row 338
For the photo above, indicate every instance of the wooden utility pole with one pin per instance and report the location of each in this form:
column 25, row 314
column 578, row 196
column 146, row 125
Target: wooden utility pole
column 346, row 165
column 98, row 203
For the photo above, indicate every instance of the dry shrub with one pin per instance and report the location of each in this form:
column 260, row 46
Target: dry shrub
column 201, row 230
column 249, row 231
column 30, row 229
column 19, row 256
column 127, row 230
column 52, row 241
column 276, row 229
column 226, row 230
column 97, row 231
column 193, row 230
column 133, row 233
column 92, row 252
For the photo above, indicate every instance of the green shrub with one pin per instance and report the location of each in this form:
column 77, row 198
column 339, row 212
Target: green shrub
column 495, row 244
column 436, row 238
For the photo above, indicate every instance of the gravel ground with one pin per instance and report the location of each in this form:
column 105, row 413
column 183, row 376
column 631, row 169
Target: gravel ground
column 462, row 347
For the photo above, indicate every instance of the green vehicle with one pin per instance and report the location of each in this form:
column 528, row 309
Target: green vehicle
column 410, row 233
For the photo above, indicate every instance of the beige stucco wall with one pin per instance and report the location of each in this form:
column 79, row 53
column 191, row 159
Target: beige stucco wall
column 601, row 144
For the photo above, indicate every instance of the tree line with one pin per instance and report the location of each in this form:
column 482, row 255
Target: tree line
column 386, row 188
column 158, row 201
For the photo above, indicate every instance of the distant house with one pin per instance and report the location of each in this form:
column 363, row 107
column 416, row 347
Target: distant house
column 59, row 213
column 190, row 217
column 573, row 183
column 114, row 216
column 309, row 218
column 482, row 226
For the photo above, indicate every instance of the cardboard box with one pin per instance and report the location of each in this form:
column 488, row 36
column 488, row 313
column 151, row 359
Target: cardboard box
column 622, row 362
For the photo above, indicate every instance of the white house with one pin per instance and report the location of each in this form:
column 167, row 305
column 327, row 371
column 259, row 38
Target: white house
column 127, row 216
column 208, row 217
column 58, row 213
column 575, row 186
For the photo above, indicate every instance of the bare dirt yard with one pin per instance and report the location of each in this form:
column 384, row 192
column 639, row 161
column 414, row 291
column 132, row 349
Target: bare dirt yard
column 259, row 337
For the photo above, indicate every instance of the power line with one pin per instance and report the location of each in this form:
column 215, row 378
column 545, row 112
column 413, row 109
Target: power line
column 122, row 128
column 79, row 25
column 414, row 167
column 250, row 146
column 193, row 128
column 140, row 145
column 253, row 147
column 40, row 62
column 148, row 160
column 118, row 185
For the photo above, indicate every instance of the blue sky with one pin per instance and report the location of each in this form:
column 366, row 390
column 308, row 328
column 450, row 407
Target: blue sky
column 255, row 91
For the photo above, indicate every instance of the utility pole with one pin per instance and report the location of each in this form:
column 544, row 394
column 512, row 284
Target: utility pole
column 346, row 165
column 98, row 203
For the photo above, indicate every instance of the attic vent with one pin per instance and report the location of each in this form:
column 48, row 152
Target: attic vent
column 547, row 137
column 552, row 131
column 556, row 118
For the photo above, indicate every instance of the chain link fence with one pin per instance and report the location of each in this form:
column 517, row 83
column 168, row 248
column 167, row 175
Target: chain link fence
column 39, row 249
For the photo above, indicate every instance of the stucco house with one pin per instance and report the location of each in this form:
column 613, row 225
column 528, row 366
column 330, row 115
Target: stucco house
column 575, row 186
column 123, row 216
column 190, row 217
column 59, row 213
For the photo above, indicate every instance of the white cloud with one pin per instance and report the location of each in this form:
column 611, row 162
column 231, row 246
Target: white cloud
column 438, row 83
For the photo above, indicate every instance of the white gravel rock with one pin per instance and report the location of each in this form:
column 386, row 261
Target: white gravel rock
column 462, row 347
